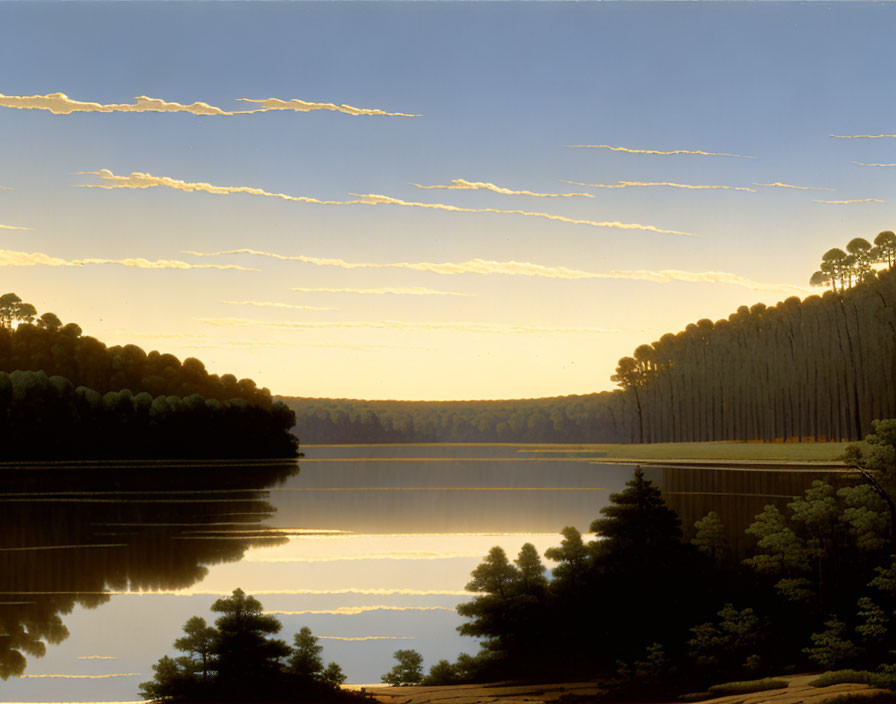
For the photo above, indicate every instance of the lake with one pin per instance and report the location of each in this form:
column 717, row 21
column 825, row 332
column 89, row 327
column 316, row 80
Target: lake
column 369, row 546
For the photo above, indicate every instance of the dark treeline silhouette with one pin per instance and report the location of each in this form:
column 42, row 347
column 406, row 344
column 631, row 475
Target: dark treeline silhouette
column 818, row 369
column 28, row 342
column 654, row 608
column 69, row 535
column 47, row 417
column 840, row 269
column 237, row 660
column 587, row 418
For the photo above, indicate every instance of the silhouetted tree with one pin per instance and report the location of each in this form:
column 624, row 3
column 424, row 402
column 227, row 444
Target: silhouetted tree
column 409, row 669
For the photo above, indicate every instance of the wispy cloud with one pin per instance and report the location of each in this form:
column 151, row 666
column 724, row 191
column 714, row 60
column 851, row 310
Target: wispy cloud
column 355, row 610
column 459, row 184
column 778, row 184
column 97, row 657
column 9, row 257
column 629, row 150
column 863, row 136
column 13, row 227
column 411, row 291
column 388, row 556
column 862, row 163
column 143, row 180
column 81, row 677
column 61, row 104
column 296, row 105
column 275, row 304
column 668, row 184
column 514, row 268
column 377, row 199
column 850, row 202
column 360, row 638
column 399, row 325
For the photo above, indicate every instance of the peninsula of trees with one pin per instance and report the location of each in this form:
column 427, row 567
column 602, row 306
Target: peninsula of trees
column 67, row 395
column 817, row 369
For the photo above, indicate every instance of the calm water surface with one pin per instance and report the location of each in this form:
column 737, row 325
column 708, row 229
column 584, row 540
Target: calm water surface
column 369, row 546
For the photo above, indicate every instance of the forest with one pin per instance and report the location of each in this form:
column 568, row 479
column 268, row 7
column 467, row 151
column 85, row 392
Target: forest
column 816, row 591
column 65, row 395
column 817, row 369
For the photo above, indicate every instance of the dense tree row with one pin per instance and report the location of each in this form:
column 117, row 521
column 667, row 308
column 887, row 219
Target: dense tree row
column 29, row 342
column 45, row 417
column 598, row 417
column 646, row 601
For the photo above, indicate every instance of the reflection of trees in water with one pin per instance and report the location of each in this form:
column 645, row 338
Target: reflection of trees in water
column 738, row 496
column 70, row 534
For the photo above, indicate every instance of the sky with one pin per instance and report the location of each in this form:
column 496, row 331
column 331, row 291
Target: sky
column 433, row 200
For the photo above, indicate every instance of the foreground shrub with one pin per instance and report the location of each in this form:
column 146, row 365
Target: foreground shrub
column 875, row 679
column 721, row 690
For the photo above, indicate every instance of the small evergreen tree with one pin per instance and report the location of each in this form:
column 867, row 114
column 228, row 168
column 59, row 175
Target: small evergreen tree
column 409, row 669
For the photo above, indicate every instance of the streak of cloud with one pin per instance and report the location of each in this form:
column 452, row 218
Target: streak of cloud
column 97, row 657
column 9, row 257
column 143, row 180
column 361, row 638
column 296, row 105
column 401, row 325
column 629, row 150
column 13, row 227
column 61, row 104
column 861, row 163
column 355, row 610
column 377, row 199
column 668, row 184
column 275, row 304
column 460, row 184
column 778, row 184
column 82, row 677
column 514, row 268
column 411, row 291
column 863, row 136
column 850, row 202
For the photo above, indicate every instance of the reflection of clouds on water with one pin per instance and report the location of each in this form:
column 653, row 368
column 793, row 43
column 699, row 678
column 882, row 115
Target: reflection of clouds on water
column 355, row 610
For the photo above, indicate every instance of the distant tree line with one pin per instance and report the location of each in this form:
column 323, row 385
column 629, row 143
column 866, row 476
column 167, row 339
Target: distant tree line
column 587, row 418
column 819, row 369
column 653, row 608
column 32, row 342
column 48, row 417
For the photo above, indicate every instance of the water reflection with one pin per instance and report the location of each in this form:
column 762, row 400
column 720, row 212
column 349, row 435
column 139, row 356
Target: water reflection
column 72, row 533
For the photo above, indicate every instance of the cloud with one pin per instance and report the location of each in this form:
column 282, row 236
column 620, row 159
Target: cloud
column 9, row 257
column 464, row 185
column 97, row 657
column 61, row 104
column 514, row 268
column 654, row 151
column 669, row 184
column 399, row 325
column 83, row 677
column 778, row 184
column 143, row 180
column 377, row 199
column 860, row 163
column 863, row 136
column 412, row 291
column 355, row 610
column 297, row 105
column 850, row 202
column 360, row 638
column 13, row 227
column 274, row 304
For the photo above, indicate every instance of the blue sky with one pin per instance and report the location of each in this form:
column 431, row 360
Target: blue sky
column 502, row 91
